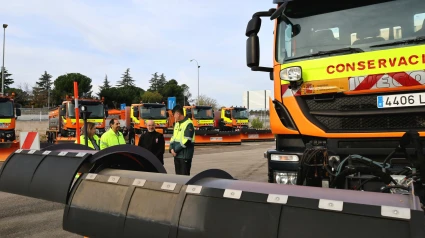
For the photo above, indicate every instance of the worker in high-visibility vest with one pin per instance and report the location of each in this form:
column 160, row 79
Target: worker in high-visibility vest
column 113, row 136
column 182, row 143
column 93, row 139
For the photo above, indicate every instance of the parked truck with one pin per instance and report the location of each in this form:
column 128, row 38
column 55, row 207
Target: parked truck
column 349, row 95
column 9, row 112
column 142, row 112
column 62, row 120
column 237, row 119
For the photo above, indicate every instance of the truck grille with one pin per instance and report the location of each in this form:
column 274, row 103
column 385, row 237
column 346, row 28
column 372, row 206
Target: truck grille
column 342, row 114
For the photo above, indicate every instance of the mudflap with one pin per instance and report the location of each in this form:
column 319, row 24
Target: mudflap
column 256, row 135
column 7, row 148
column 217, row 137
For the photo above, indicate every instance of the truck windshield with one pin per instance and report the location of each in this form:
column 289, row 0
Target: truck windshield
column 152, row 112
column 240, row 114
column 203, row 113
column 97, row 110
column 6, row 109
column 307, row 27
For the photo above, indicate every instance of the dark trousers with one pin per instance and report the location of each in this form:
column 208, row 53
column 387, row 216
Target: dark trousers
column 182, row 166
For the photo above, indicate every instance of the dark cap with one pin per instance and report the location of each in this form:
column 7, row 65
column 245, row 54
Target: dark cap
column 178, row 108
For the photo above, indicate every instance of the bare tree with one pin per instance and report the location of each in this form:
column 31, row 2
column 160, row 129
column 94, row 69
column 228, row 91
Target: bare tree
column 204, row 100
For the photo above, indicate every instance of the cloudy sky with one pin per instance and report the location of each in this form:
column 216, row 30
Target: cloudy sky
column 98, row 37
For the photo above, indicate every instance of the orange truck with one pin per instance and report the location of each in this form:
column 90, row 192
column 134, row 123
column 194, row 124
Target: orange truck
column 237, row 119
column 348, row 77
column 141, row 113
column 9, row 112
column 62, row 120
column 206, row 132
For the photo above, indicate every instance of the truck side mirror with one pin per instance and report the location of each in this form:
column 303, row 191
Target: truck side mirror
column 62, row 111
column 253, row 26
column 136, row 114
column 18, row 112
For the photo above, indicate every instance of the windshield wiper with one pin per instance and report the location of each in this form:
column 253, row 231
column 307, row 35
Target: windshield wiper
column 414, row 40
column 342, row 50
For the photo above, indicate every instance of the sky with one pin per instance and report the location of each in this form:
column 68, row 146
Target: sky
column 105, row 37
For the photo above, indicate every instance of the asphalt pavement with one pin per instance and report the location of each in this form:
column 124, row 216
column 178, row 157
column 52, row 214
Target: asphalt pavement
column 30, row 218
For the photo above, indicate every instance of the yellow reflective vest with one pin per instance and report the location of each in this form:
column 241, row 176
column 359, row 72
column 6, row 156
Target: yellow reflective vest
column 110, row 138
column 83, row 141
column 183, row 139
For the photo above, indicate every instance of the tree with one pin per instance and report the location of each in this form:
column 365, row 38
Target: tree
column 127, row 80
column 106, row 84
column 205, row 100
column 64, row 85
column 173, row 89
column 154, row 82
column 7, row 79
column 186, row 94
column 152, row 97
column 42, row 90
column 44, row 81
column 23, row 94
column 115, row 96
column 256, row 123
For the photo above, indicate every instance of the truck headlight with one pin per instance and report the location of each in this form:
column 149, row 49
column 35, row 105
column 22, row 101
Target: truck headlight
column 291, row 74
column 285, row 178
column 292, row 158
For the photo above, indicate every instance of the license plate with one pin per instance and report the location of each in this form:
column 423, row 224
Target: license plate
column 401, row 100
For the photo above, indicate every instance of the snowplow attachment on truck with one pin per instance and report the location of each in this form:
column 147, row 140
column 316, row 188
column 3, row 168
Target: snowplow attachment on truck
column 256, row 135
column 141, row 200
column 205, row 137
column 7, row 148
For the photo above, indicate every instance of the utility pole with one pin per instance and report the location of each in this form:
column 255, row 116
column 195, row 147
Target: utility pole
column 48, row 93
column 2, row 68
column 198, row 77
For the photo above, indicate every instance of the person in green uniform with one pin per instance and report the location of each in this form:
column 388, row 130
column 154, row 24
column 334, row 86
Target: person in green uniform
column 93, row 139
column 182, row 143
column 113, row 136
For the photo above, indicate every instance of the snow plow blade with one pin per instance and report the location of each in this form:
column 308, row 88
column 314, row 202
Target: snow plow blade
column 204, row 137
column 151, row 203
column 256, row 135
column 7, row 148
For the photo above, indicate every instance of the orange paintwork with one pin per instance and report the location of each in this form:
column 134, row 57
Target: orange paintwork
column 195, row 121
column 234, row 123
column 305, row 126
column 276, row 125
column 257, row 137
column 141, row 124
column 7, row 147
column 69, row 124
column 12, row 124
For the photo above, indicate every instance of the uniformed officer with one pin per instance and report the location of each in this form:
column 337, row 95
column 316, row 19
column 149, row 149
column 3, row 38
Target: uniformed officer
column 93, row 139
column 113, row 136
column 182, row 143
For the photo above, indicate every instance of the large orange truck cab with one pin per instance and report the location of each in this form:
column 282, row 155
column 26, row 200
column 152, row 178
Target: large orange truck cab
column 348, row 78
column 202, row 116
column 232, row 118
column 62, row 120
column 9, row 112
column 142, row 112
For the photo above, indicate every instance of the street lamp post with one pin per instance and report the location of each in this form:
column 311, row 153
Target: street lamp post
column 2, row 68
column 198, row 77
